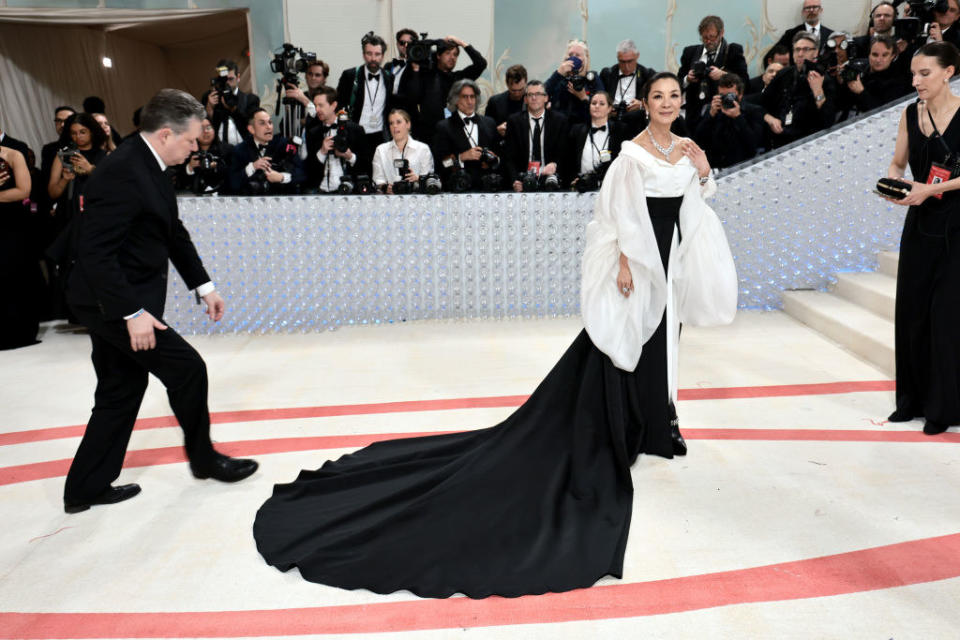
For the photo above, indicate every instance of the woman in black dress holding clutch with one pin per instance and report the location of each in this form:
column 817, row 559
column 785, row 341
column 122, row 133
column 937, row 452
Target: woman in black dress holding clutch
column 928, row 276
column 542, row 501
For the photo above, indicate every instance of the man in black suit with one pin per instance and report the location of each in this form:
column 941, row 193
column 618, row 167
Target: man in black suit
column 730, row 133
column 503, row 105
column 228, row 110
column 460, row 139
column 128, row 230
column 702, row 66
column 624, row 82
column 326, row 165
column 812, row 10
column 365, row 92
column 265, row 164
column 535, row 138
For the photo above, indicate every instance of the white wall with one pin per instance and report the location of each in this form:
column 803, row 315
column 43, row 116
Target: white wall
column 839, row 15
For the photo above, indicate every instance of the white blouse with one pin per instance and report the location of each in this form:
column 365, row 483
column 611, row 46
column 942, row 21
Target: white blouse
column 418, row 153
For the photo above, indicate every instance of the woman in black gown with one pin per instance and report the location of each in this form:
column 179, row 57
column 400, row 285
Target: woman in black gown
column 542, row 501
column 928, row 277
column 20, row 269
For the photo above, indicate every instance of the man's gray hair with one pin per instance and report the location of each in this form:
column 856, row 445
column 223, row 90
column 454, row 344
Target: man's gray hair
column 171, row 108
column 455, row 90
column 806, row 35
column 627, row 46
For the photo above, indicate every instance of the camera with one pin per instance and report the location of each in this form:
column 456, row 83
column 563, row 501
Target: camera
column 219, row 84
column 287, row 63
column 533, row 181
column 402, row 165
column 579, row 83
column 430, row 184
column 402, row 187
column 916, row 28
column 340, row 141
column 489, row 159
column 812, row 65
column 491, row 182
column 854, row 69
column 699, row 70
column 619, row 110
column 587, row 182
column 361, row 184
column 208, row 175
column 423, row 51
column 728, row 101
column 460, row 180
column 66, row 154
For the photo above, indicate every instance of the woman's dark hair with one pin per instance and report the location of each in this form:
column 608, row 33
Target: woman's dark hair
column 886, row 41
column 945, row 52
column 97, row 136
column 605, row 95
column 656, row 78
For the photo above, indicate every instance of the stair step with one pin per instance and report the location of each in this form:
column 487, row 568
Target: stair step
column 874, row 290
column 866, row 334
column 888, row 262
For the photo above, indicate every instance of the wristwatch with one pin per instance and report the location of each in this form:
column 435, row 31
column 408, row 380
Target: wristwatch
column 704, row 180
column 820, row 97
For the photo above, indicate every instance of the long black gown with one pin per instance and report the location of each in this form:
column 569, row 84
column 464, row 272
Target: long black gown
column 928, row 289
column 540, row 502
column 20, row 274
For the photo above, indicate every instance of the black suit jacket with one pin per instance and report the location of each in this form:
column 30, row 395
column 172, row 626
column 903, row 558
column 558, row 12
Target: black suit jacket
column 787, row 38
column 244, row 154
column 246, row 104
column 517, row 142
column 351, row 94
column 634, row 121
column 128, row 231
column 500, row 107
column 316, row 170
column 729, row 58
column 728, row 141
column 579, row 137
column 428, row 88
column 450, row 140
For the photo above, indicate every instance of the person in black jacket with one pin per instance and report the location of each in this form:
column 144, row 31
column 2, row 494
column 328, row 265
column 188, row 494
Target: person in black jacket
column 535, row 138
column 461, row 139
column 882, row 82
column 702, row 66
column 730, row 133
column 623, row 82
column 564, row 96
column 944, row 27
column 592, row 147
column 229, row 110
column 265, row 164
column 326, row 165
column 205, row 170
column 366, row 93
column 128, row 233
column 503, row 105
column 812, row 10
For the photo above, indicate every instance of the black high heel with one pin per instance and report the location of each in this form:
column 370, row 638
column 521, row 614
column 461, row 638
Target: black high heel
column 679, row 444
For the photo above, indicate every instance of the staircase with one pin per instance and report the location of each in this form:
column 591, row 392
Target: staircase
column 857, row 312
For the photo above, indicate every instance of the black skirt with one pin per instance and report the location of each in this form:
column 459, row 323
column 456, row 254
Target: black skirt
column 540, row 502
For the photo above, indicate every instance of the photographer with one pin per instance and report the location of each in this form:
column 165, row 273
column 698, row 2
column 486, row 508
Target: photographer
column 265, row 164
column 869, row 83
column 330, row 145
column 365, row 92
column 731, row 131
column 944, row 27
column 592, row 147
column 569, row 87
column 801, row 99
column 624, row 81
column 503, row 105
column 429, row 85
column 535, row 139
column 758, row 85
column 227, row 107
column 81, row 149
column 401, row 159
column 812, row 10
column 206, row 169
column 316, row 77
column 465, row 140
column 702, row 66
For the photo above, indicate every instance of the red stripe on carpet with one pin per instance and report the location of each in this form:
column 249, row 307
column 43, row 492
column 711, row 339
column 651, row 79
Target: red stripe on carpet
column 886, row 567
column 292, row 413
column 168, row 455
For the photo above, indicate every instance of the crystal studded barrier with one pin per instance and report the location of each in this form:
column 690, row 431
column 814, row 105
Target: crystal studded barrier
column 318, row 262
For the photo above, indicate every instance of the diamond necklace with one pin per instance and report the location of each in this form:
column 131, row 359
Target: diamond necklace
column 666, row 152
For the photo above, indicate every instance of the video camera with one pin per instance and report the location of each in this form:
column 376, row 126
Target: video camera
column 916, row 27
column 219, row 84
column 424, row 51
column 854, row 69
column 287, row 63
column 66, row 154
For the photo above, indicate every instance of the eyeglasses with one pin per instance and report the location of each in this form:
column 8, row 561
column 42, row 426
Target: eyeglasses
column 537, row 94
column 207, row 127
column 815, row 7
column 404, row 42
column 59, row 120
column 804, row 49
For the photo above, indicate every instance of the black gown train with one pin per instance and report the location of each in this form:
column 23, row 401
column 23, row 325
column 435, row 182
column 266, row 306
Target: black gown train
column 540, row 502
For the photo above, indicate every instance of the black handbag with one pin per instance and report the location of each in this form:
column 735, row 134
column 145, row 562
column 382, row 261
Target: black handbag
column 893, row 188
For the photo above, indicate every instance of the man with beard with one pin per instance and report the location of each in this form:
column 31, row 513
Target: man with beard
column 366, row 93
column 702, row 66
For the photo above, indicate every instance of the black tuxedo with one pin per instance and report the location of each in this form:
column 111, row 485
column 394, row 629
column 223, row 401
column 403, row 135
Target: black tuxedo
column 728, row 141
column 500, row 107
column 316, row 170
column 633, row 121
column 351, row 93
column 555, row 130
column 247, row 103
column 244, row 154
column 579, row 137
column 450, row 139
column 127, row 233
column 787, row 38
column 429, row 88
column 729, row 57
column 789, row 93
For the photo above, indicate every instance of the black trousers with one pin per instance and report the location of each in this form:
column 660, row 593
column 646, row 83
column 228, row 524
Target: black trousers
column 121, row 382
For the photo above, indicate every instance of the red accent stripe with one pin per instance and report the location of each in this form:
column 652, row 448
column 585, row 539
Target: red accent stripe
column 886, row 567
column 292, row 413
column 170, row 455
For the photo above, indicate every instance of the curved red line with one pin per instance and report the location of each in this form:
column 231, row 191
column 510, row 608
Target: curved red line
column 169, row 455
column 886, row 567
column 292, row 413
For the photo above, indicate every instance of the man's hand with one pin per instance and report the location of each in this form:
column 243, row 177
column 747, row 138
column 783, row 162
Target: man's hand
column 411, row 177
column 732, row 112
column 815, row 80
column 457, row 41
column 215, row 306
column 775, row 124
column 346, row 155
column 716, row 73
column 4, row 176
column 471, row 154
column 141, row 331
column 856, row 85
column 634, row 105
column 327, row 146
column 715, row 103
column 517, row 186
column 548, row 169
column 502, row 129
column 262, row 164
column 692, row 77
column 213, row 99
column 194, row 162
column 296, row 93
column 935, row 32
column 274, row 177
column 565, row 68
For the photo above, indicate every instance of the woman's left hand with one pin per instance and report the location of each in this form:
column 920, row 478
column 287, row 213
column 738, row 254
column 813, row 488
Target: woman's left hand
column 919, row 192
column 582, row 94
column 697, row 156
column 80, row 164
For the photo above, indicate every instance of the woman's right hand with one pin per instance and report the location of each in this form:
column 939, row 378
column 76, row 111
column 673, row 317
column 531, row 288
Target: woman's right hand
column 625, row 281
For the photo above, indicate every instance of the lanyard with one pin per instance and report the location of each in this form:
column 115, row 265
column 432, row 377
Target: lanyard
column 622, row 91
column 596, row 155
column 366, row 81
column 468, row 129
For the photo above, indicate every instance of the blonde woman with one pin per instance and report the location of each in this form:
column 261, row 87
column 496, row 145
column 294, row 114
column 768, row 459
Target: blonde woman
column 569, row 87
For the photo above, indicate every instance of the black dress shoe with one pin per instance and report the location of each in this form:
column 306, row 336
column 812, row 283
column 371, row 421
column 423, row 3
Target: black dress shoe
column 111, row 496
column 900, row 416
column 679, row 444
column 224, row 468
column 932, row 428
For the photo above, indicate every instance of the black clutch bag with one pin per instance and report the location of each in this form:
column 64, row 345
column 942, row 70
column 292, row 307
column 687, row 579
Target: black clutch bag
column 893, row 188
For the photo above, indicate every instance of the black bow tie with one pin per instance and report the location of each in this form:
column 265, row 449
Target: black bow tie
column 261, row 148
column 467, row 119
column 595, row 129
column 370, row 76
column 626, row 75
column 397, row 62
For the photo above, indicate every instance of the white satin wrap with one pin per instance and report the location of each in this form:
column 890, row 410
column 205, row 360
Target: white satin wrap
column 702, row 290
